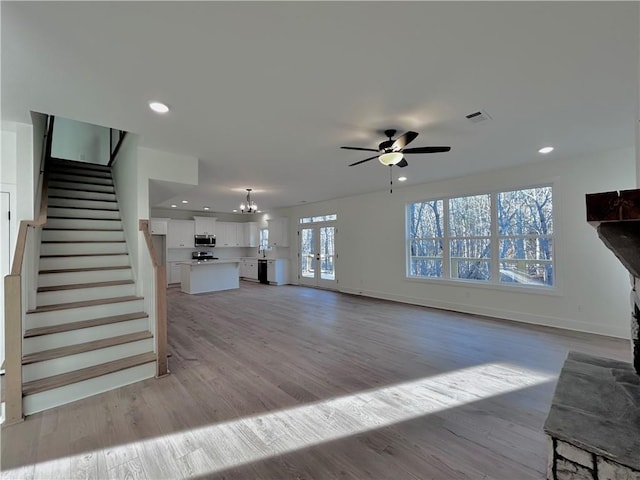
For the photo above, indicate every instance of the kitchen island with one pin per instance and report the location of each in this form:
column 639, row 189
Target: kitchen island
column 201, row 276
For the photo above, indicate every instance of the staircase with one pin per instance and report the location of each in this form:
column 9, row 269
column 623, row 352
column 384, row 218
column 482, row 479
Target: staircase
column 88, row 332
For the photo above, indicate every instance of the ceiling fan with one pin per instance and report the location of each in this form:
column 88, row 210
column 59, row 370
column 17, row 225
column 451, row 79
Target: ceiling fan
column 391, row 152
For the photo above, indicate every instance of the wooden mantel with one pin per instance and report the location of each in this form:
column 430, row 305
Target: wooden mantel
column 616, row 217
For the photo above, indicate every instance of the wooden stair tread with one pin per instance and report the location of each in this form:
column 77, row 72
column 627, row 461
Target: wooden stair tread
column 75, row 172
column 81, row 190
column 76, row 286
column 56, row 381
column 83, row 218
column 80, row 182
column 84, row 303
column 84, row 347
column 85, row 241
column 76, row 207
column 81, row 198
column 82, row 229
column 84, row 269
column 82, row 255
column 75, row 163
column 95, row 322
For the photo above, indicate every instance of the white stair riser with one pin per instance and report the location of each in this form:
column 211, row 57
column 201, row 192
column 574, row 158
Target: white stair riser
column 75, row 202
column 82, row 248
column 81, row 186
column 49, row 319
column 57, row 263
column 62, row 177
column 79, row 235
column 84, row 294
column 81, row 213
column 64, row 339
column 69, row 278
column 60, row 396
column 80, row 171
column 60, row 192
column 81, row 224
column 57, row 366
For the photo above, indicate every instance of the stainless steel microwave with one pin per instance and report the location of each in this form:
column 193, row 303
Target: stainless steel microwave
column 205, row 240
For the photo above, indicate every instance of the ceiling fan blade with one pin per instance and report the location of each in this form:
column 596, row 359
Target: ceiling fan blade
column 427, row 150
column 403, row 141
column 402, row 163
column 362, row 161
column 363, row 149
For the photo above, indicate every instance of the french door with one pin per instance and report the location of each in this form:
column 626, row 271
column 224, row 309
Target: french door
column 318, row 256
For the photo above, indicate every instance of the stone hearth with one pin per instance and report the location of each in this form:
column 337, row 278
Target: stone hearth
column 594, row 421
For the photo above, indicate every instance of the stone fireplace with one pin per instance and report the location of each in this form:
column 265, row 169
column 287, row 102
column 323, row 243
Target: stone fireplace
column 594, row 420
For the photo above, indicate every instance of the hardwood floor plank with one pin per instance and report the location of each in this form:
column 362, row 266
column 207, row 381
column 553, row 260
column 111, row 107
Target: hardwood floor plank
column 291, row 382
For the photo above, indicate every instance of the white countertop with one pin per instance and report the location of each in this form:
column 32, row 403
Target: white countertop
column 210, row 262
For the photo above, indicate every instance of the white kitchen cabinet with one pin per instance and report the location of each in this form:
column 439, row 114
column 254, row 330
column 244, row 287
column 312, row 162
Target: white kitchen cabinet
column 158, row 226
column 180, row 234
column 174, row 272
column 249, row 269
column 226, row 234
column 277, row 271
column 251, row 234
column 278, row 232
column 205, row 225
column 240, row 234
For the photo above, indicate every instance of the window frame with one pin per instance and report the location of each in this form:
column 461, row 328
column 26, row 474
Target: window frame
column 494, row 282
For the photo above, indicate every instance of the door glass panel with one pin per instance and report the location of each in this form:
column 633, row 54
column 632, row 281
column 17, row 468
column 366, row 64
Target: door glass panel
column 307, row 253
column 327, row 253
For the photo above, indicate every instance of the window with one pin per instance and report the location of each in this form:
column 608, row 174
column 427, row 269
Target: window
column 264, row 239
column 320, row 218
column 500, row 238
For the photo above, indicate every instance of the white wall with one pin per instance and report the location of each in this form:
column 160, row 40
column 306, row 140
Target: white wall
column 125, row 180
column 80, row 141
column 593, row 287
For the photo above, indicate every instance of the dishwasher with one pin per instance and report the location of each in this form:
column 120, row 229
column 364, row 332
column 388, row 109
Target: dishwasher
column 262, row 270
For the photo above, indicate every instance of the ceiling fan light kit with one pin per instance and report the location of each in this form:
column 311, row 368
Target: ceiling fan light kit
column 391, row 158
column 391, row 152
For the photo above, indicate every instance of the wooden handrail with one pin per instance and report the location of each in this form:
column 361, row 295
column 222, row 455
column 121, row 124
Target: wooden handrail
column 160, row 277
column 13, row 303
column 114, row 154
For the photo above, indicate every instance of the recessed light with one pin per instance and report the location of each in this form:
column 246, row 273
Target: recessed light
column 174, row 206
column 402, row 179
column 259, row 211
column 158, row 107
column 545, row 150
column 206, row 208
column 235, row 211
column 185, row 201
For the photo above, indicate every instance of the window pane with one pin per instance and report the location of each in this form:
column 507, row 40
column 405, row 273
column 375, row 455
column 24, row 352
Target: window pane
column 470, row 269
column 426, row 248
column 424, row 267
column 464, row 251
column 471, row 248
column 526, row 212
column 426, row 219
column 526, row 273
column 520, row 248
column 470, row 216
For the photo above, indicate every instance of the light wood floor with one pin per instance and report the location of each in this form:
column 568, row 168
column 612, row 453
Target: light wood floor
column 288, row 382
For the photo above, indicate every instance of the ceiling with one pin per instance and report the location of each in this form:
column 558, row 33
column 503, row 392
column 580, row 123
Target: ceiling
column 265, row 93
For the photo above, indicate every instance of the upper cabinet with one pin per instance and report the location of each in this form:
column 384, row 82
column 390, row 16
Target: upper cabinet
column 278, row 232
column 251, row 237
column 180, row 234
column 205, row 225
column 158, row 226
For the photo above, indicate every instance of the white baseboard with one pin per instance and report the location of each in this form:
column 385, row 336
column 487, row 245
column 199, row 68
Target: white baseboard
column 547, row 321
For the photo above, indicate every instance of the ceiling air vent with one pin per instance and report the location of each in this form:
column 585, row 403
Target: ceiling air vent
column 479, row 116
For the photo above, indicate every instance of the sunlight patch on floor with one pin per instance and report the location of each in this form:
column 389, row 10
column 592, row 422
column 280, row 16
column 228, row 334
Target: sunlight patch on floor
column 214, row 448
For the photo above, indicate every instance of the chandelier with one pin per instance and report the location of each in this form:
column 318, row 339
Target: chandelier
column 249, row 206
